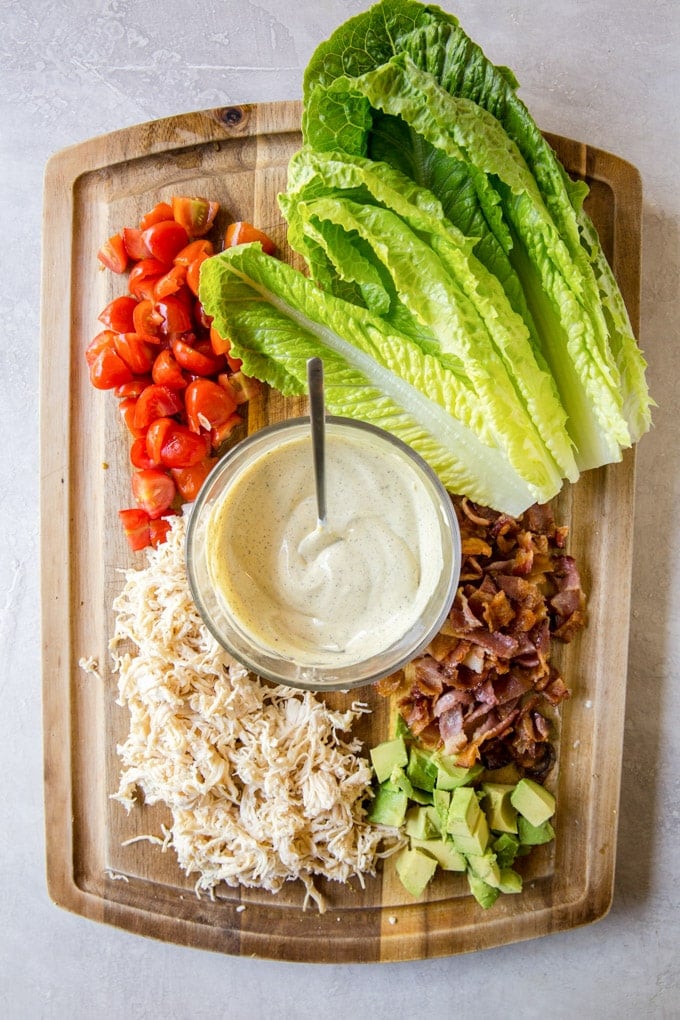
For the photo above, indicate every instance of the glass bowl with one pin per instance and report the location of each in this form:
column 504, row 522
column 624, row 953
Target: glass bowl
column 323, row 608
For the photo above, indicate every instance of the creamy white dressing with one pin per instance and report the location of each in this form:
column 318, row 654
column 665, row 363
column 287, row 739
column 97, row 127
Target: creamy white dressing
column 333, row 596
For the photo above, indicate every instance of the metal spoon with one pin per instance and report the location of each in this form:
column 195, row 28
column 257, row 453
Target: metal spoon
column 318, row 423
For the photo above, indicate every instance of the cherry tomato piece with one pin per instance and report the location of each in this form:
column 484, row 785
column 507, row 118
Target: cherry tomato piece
column 219, row 344
column 170, row 283
column 201, row 316
column 158, row 531
column 155, row 437
column 133, row 388
column 139, row 456
column 143, row 277
column 136, row 526
column 146, row 319
column 189, row 480
column 127, row 408
column 113, row 254
column 196, row 215
column 154, row 491
column 242, row 387
column 207, row 404
column 134, row 244
column 245, row 233
column 166, row 372
column 156, row 402
column 220, row 433
column 175, row 315
column 108, row 370
column 199, row 359
column 194, row 250
column 98, row 343
column 194, row 274
column 165, row 239
column 161, row 211
column 182, row 448
column 117, row 315
column 137, row 354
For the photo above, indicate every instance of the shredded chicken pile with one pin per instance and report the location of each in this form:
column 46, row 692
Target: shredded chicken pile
column 260, row 783
column 483, row 687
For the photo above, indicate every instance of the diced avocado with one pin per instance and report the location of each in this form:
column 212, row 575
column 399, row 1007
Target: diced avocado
column 450, row 775
column 485, row 866
column 421, row 796
column 399, row 779
column 505, row 849
column 463, row 810
column 533, row 801
column 401, row 729
column 444, row 852
column 500, row 812
column 485, row 894
column 415, row 869
column 535, row 835
column 441, row 800
column 422, row 822
column 511, row 881
column 421, row 769
column 388, row 806
column 474, row 842
column 387, row 756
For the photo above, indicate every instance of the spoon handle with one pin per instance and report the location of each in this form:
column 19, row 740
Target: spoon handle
column 318, row 422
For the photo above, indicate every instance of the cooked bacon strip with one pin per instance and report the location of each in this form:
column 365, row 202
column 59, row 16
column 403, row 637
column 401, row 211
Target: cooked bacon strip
column 483, row 686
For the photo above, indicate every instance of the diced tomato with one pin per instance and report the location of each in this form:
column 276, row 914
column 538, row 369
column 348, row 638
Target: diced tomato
column 139, row 456
column 136, row 525
column 146, row 319
column 243, row 387
column 127, row 408
column 199, row 359
column 133, row 388
column 117, row 315
column 155, row 437
column 165, row 239
column 166, row 372
column 161, row 211
column 136, row 352
column 182, row 448
column 189, row 480
column 156, row 402
column 220, row 433
column 143, row 277
column 113, row 255
column 175, row 315
column 170, row 283
column 196, row 215
column 245, row 233
column 207, row 404
column 220, row 344
column 108, row 370
column 154, row 491
column 134, row 244
column 97, row 345
column 158, row 531
column 194, row 250
column 194, row 273
column 201, row 316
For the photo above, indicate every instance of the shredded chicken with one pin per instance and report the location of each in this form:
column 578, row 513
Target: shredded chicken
column 261, row 782
column 482, row 688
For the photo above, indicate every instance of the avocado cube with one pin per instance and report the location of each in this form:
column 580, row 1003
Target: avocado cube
column 535, row 835
column 443, row 851
column 505, row 849
column 388, row 755
column 485, row 867
column 422, row 822
column 484, row 893
column 388, row 806
column 441, row 800
column 533, row 801
column 475, row 841
column 450, row 775
column 511, row 881
column 421, row 769
column 501, row 814
column 415, row 869
column 401, row 729
column 464, row 810
column 399, row 779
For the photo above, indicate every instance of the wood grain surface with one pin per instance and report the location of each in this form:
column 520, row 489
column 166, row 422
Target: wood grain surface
column 239, row 156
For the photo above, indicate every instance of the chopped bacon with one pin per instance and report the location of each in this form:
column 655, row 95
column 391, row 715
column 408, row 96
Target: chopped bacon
column 484, row 688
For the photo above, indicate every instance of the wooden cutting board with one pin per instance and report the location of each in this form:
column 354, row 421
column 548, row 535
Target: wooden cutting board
column 239, row 156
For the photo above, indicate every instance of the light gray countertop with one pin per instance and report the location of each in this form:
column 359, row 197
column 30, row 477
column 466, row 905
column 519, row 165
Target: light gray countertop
column 605, row 72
